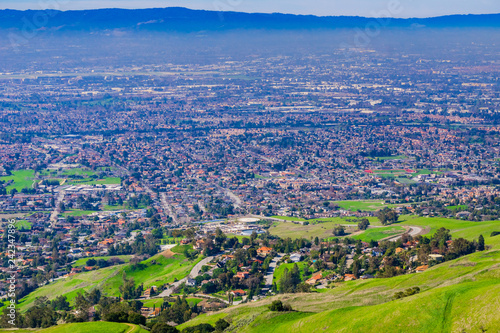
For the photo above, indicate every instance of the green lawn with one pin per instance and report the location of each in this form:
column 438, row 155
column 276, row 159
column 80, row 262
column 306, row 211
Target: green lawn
column 23, row 224
column 398, row 157
column 288, row 218
column 457, row 207
column 78, row 212
column 363, row 205
column 281, row 268
column 377, row 234
column 21, row 179
column 117, row 207
column 92, row 181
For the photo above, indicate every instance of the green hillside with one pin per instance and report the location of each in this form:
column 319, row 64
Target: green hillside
column 456, row 296
column 156, row 270
column 91, row 327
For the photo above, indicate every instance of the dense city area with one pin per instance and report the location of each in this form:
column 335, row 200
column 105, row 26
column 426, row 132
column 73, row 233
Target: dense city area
column 151, row 194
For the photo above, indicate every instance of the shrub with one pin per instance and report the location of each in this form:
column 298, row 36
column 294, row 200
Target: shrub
column 279, row 306
column 221, row 325
column 201, row 328
column 163, row 328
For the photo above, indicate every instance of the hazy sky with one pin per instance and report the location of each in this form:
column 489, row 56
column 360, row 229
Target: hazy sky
column 396, row 8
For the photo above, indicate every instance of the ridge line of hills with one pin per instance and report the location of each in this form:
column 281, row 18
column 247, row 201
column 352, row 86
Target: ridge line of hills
column 187, row 20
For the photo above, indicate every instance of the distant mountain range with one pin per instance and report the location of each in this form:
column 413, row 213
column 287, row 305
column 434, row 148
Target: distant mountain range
column 187, row 20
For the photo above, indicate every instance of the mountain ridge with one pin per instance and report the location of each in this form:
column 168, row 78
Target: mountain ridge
column 187, row 20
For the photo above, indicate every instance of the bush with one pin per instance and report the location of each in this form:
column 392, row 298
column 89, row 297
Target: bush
column 163, row 328
column 201, row 328
column 221, row 325
column 494, row 233
column 279, row 306
column 363, row 225
column 135, row 318
column 407, row 292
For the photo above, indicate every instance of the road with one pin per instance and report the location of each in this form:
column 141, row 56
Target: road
column 234, row 198
column 167, row 208
column 209, row 296
column 56, row 211
column 194, row 273
column 272, row 267
column 412, row 231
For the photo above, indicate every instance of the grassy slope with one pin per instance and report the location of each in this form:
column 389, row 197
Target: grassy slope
column 456, row 295
column 92, row 327
column 281, row 268
column 316, row 228
column 379, row 233
column 164, row 271
column 110, row 278
column 459, row 228
column 83, row 261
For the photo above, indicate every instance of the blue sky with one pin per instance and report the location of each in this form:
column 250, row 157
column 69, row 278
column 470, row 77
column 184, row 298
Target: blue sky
column 393, row 8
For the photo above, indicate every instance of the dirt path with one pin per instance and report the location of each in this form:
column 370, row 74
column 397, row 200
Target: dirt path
column 132, row 327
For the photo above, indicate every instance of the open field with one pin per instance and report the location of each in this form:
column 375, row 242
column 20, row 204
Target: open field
column 78, row 212
column 315, row 228
column 377, row 234
column 386, row 158
column 23, row 224
column 82, row 261
column 363, row 205
column 459, row 228
column 20, row 179
column 443, row 305
column 92, row 181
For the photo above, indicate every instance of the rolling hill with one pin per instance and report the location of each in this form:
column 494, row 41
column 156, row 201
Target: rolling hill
column 456, row 296
column 186, row 20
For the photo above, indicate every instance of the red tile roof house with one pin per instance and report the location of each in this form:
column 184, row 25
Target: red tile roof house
column 264, row 250
column 238, row 292
column 242, row 275
column 349, row 277
column 149, row 291
column 314, row 279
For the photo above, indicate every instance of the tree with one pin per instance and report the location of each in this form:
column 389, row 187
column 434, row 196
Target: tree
column 221, row 325
column 91, row 262
column 295, row 275
column 363, row 225
column 480, row 243
column 279, row 306
column 339, row 230
column 60, row 303
column 163, row 328
column 286, row 282
column 387, row 216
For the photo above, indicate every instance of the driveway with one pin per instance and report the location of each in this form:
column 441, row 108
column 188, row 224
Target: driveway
column 268, row 278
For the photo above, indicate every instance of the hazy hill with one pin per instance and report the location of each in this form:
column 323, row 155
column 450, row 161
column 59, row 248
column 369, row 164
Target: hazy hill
column 186, row 20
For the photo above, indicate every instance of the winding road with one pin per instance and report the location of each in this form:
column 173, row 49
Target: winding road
column 195, row 271
column 412, row 231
